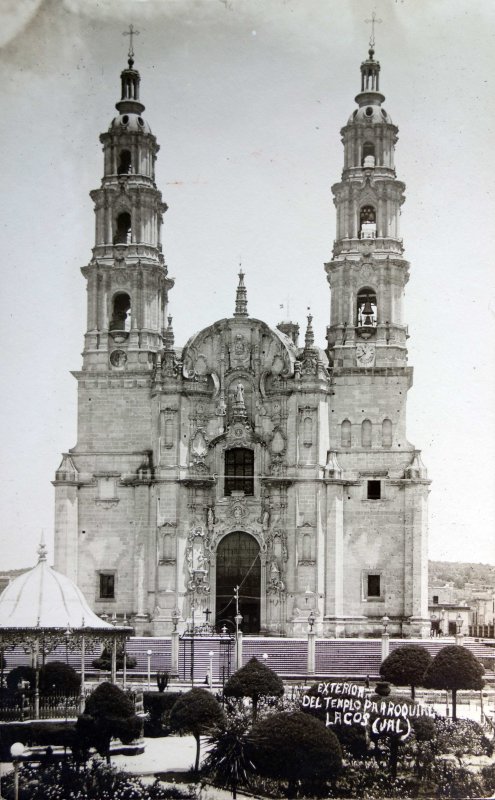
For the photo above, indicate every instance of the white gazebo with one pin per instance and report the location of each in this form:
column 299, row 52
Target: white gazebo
column 42, row 609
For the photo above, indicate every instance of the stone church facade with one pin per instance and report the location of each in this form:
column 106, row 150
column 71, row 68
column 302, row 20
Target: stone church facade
column 246, row 458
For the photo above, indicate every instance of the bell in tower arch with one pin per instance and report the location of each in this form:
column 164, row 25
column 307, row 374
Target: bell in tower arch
column 366, row 313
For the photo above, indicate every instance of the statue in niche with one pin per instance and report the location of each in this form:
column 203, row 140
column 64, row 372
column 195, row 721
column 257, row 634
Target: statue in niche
column 274, row 572
column 239, row 345
column 265, row 519
column 199, row 561
column 239, row 393
column 221, row 408
column 199, row 445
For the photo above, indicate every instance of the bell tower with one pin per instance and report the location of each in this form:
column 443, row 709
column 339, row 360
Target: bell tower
column 127, row 281
column 368, row 273
column 105, row 503
column 382, row 503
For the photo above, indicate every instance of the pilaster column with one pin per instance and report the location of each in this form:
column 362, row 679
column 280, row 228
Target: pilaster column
column 334, row 577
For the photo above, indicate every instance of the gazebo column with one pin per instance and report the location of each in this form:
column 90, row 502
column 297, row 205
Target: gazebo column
column 114, row 660
column 82, row 698
column 37, row 680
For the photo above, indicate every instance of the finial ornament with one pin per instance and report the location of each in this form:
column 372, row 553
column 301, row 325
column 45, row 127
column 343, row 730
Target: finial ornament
column 309, row 338
column 373, row 20
column 241, row 298
column 42, row 548
column 130, row 33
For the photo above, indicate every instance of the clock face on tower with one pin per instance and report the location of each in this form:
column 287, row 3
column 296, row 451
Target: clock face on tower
column 365, row 355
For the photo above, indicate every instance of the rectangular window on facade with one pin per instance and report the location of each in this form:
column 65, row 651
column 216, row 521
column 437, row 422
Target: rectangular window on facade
column 107, row 586
column 106, row 488
column 435, row 599
column 239, row 471
column 374, row 490
column 373, row 585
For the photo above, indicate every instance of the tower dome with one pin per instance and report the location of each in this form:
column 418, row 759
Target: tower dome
column 44, row 598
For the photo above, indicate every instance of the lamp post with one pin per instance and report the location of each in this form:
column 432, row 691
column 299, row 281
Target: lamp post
column 193, row 609
column 458, row 626
column 311, row 643
column 385, row 637
column 149, row 653
column 211, row 654
column 175, row 642
column 16, row 751
column 237, row 620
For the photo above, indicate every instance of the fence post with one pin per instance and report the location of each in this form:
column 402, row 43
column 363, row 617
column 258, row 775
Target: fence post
column 311, row 652
column 174, row 656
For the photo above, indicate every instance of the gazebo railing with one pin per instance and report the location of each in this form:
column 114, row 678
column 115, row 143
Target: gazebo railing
column 57, row 705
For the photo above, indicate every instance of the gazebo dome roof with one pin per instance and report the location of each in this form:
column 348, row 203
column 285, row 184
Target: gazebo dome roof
column 44, row 598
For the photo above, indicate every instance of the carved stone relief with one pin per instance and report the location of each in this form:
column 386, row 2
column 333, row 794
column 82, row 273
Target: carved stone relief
column 198, row 560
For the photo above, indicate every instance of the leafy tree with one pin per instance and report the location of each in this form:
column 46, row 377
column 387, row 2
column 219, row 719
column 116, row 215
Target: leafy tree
column 109, row 713
column 104, row 662
column 196, row 712
column 294, row 747
column 59, row 676
column 454, row 668
column 229, row 761
column 254, row 680
column 406, row 666
column 22, row 673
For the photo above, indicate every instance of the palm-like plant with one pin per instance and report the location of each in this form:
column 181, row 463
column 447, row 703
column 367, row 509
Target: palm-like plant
column 228, row 761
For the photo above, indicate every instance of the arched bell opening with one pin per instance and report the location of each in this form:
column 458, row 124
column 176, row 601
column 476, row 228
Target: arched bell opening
column 122, row 233
column 121, row 313
column 367, row 222
column 125, row 162
column 368, row 159
column 238, row 564
column 367, row 312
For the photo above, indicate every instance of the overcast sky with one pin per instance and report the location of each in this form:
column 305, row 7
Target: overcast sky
column 247, row 98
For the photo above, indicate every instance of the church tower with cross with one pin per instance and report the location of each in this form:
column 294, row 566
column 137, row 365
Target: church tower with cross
column 246, row 469
column 385, row 491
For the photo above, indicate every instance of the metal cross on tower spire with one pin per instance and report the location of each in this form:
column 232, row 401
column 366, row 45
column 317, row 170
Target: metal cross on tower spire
column 130, row 33
column 373, row 20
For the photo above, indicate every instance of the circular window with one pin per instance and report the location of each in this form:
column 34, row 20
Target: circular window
column 369, row 112
column 141, row 121
column 384, row 113
column 118, row 358
column 125, row 119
